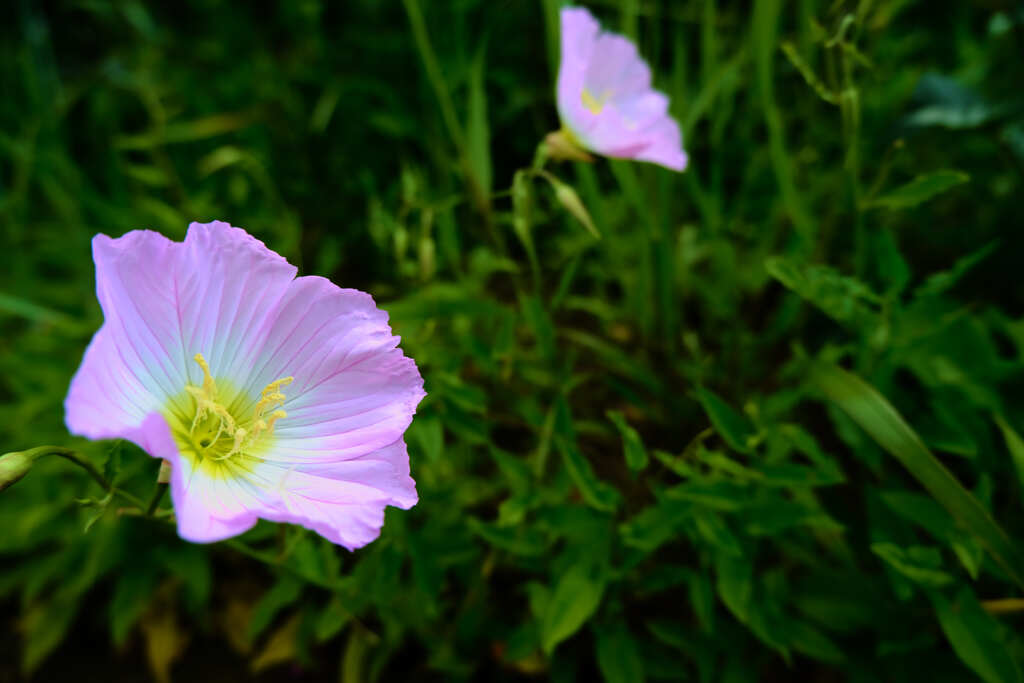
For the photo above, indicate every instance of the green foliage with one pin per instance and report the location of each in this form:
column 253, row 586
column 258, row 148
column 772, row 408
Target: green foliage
column 920, row 189
column 758, row 421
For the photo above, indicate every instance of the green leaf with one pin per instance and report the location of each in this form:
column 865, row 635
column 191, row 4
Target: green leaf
column 845, row 299
column 1014, row 444
column 735, row 585
column 654, row 525
column 595, row 492
column 729, row 424
column 714, row 529
column 132, row 595
column 520, row 540
column 283, row 593
column 919, row 190
column 574, row 600
column 191, row 564
column 44, row 626
column 778, row 515
column 478, row 134
column 12, row 305
column 875, row 415
column 976, row 637
column 618, row 656
column 632, row 445
column 331, row 620
column 112, row 461
column 938, row 283
column 813, row 643
column 714, row 495
column 916, row 563
column 539, row 322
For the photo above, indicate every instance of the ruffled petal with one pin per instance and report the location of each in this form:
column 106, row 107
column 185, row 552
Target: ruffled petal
column 385, row 470
column 108, row 397
column 229, row 286
column 347, row 512
column 664, row 146
column 135, row 287
column 338, row 458
column 354, row 391
column 163, row 302
column 208, row 505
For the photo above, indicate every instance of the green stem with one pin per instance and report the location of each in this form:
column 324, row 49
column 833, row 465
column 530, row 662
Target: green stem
column 154, row 501
column 85, row 464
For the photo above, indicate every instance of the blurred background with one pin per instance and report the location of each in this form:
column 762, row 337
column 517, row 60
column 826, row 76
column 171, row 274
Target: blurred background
column 760, row 421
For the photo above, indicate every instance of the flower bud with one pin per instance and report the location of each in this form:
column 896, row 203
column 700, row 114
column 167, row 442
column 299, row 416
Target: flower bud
column 14, row 466
column 571, row 202
column 562, row 146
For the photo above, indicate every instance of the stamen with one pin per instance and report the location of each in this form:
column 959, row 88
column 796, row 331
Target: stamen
column 594, row 104
column 209, row 386
column 274, row 417
column 208, row 406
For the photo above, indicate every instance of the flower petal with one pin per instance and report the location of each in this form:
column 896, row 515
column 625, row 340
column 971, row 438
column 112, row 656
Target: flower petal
column 615, row 68
column 354, row 391
column 230, row 284
column 664, row 146
column 349, row 513
column 210, row 508
column 163, row 302
column 579, row 31
column 135, row 287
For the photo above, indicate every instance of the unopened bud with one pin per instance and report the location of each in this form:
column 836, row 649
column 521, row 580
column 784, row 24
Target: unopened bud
column 13, row 466
column 570, row 201
column 563, row 146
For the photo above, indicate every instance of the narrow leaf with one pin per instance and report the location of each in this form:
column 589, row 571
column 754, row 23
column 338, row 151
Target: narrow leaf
column 632, row 445
column 875, row 415
column 976, row 638
column 1014, row 444
column 919, row 190
column 729, row 424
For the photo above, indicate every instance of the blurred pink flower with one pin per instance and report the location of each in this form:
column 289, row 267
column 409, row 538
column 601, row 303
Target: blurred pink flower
column 271, row 396
column 605, row 99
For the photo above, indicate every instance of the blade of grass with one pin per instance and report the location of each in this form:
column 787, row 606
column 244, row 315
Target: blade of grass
column 434, row 74
column 764, row 23
column 879, row 419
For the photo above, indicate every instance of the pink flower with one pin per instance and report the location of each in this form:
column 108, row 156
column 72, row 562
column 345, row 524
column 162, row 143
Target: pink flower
column 271, row 396
column 605, row 99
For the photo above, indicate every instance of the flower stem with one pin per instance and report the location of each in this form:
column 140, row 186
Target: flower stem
column 154, row 501
column 85, row 464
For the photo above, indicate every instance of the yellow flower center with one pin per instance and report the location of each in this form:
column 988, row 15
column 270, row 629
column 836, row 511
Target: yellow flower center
column 594, row 104
column 215, row 425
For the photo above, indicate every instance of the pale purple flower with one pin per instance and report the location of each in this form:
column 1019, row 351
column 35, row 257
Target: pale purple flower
column 271, row 396
column 605, row 98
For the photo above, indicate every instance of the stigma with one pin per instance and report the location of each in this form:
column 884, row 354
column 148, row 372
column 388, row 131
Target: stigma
column 221, row 430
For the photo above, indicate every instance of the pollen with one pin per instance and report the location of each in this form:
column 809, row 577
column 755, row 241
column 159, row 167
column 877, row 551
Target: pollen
column 222, row 427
